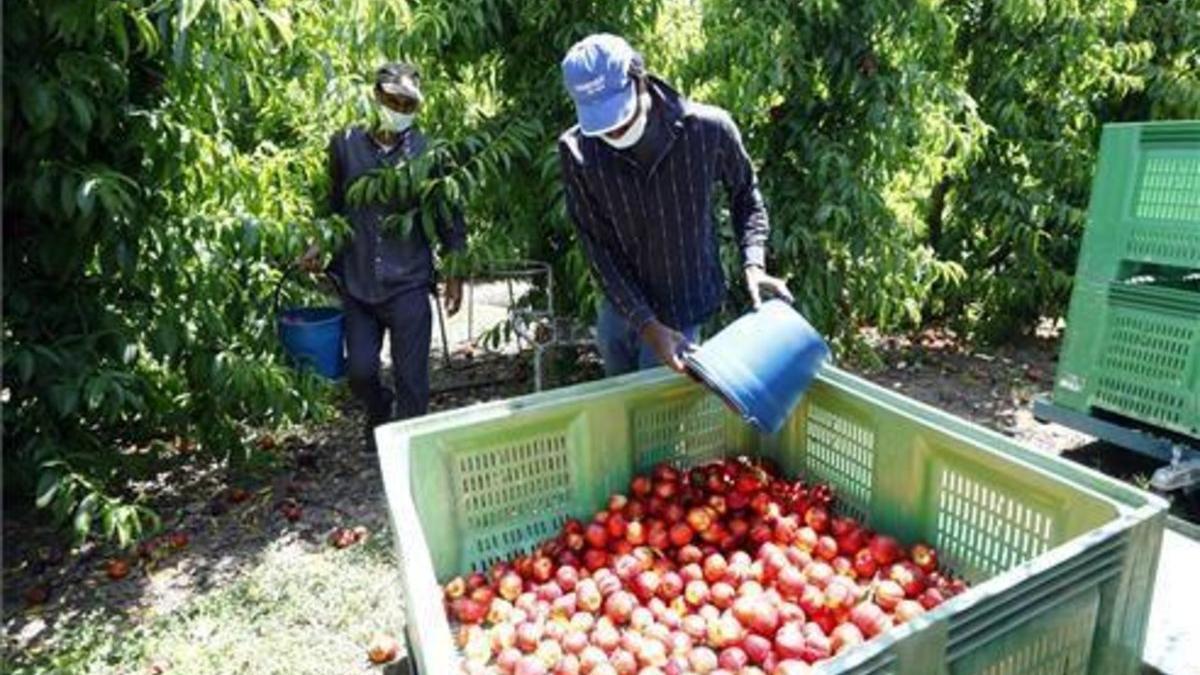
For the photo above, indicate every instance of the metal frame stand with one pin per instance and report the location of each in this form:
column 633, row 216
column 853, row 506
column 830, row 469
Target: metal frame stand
column 1182, row 457
column 535, row 324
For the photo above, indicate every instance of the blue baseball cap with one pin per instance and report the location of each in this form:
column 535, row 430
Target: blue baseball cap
column 596, row 74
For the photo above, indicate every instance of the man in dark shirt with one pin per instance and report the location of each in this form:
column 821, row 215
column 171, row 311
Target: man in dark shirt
column 385, row 275
column 641, row 169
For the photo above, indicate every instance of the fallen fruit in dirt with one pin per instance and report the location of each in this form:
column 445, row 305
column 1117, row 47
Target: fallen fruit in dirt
column 291, row 510
column 237, row 495
column 343, row 537
column 383, row 649
column 36, row 595
column 117, row 569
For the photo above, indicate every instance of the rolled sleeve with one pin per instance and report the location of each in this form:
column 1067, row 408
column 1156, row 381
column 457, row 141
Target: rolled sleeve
column 605, row 255
column 747, row 210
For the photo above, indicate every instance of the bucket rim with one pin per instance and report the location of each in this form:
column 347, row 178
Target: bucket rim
column 719, row 384
column 337, row 315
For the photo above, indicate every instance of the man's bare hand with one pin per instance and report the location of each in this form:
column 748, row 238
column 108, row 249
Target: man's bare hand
column 758, row 279
column 668, row 344
column 453, row 293
column 311, row 260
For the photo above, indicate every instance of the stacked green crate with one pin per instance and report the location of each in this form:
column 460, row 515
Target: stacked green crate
column 1133, row 331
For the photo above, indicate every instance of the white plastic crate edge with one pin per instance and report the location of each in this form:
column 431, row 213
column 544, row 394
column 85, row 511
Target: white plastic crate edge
column 425, row 614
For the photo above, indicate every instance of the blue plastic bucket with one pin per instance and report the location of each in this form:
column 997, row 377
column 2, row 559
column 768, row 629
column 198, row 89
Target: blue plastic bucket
column 762, row 363
column 312, row 336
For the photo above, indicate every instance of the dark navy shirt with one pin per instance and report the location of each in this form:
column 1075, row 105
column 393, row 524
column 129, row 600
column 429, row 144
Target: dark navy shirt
column 378, row 262
column 648, row 229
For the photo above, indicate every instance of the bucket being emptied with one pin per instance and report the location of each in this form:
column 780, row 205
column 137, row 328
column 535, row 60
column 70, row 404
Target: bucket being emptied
column 762, row 363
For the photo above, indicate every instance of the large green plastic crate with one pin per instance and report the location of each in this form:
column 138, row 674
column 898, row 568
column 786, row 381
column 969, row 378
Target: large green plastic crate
column 1134, row 349
column 1132, row 345
column 1145, row 202
column 1062, row 559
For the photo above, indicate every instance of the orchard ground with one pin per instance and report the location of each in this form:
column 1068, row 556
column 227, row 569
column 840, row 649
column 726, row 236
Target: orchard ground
column 254, row 592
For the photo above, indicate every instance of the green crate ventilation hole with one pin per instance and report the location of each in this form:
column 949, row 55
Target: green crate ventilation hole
column 841, row 452
column 1146, row 348
column 511, row 497
column 1169, row 191
column 1140, row 347
column 683, row 433
column 1055, row 643
column 984, row 531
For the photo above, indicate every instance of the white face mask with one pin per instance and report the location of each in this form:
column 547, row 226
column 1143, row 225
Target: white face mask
column 635, row 132
column 396, row 121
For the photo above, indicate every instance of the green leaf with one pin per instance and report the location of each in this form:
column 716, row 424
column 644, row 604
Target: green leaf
column 48, row 484
column 94, row 391
column 85, row 198
column 82, row 107
column 38, row 106
column 148, row 40
column 188, row 11
column 282, row 21
column 66, row 193
column 65, row 398
column 116, row 26
column 84, row 513
column 23, row 362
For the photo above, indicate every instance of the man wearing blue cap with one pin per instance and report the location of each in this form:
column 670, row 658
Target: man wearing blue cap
column 640, row 170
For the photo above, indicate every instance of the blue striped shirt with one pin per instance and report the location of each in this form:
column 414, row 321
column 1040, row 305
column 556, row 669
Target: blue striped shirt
column 648, row 231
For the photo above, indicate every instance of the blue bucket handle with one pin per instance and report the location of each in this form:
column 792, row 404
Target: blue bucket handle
column 287, row 274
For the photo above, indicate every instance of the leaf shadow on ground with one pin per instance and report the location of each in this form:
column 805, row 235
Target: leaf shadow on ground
column 249, row 580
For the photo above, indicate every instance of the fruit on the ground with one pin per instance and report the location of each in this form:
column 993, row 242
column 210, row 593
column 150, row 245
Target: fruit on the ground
column 291, row 510
column 179, row 539
column 117, row 569
column 383, row 648
column 36, row 595
column 344, row 537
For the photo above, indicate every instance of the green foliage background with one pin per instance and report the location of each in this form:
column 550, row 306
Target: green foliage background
column 164, row 160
